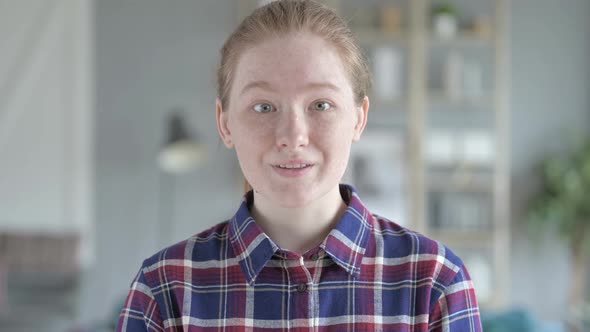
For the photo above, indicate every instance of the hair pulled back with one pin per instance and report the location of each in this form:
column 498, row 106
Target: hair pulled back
column 282, row 17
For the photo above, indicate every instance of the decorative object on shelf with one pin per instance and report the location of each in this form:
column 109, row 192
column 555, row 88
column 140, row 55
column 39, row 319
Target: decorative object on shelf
column 449, row 147
column 463, row 78
column 391, row 19
column 477, row 147
column 460, row 211
column 562, row 204
column 387, row 73
column 482, row 27
column 181, row 152
column 441, row 148
column 445, row 20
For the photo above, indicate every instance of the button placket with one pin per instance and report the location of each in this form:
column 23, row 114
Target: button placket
column 302, row 287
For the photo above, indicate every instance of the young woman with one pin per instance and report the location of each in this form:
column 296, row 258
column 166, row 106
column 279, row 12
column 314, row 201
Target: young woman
column 302, row 252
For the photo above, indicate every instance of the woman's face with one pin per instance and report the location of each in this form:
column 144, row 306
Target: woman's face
column 291, row 118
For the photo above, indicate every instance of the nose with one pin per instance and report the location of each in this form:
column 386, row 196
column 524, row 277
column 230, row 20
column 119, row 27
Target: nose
column 292, row 130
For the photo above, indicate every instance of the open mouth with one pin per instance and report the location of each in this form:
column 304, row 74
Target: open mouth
column 296, row 166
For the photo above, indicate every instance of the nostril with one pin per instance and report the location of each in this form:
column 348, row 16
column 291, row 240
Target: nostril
column 292, row 132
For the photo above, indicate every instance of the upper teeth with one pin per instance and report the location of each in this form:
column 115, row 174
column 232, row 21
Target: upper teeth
column 293, row 166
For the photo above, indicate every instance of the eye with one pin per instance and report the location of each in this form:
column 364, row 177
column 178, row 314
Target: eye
column 263, row 108
column 321, row 106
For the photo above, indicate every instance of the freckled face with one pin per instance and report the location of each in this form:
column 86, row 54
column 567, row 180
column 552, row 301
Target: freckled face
column 292, row 119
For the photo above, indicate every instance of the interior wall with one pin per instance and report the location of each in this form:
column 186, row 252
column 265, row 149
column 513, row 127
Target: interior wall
column 152, row 56
column 550, row 104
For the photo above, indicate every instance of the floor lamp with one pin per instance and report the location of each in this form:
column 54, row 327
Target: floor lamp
column 181, row 153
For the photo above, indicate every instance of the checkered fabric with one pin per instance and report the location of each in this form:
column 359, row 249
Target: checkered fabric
column 369, row 274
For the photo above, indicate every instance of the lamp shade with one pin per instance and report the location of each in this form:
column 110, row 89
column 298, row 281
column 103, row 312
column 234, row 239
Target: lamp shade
column 181, row 152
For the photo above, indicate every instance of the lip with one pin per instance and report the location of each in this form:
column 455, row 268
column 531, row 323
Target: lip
column 293, row 172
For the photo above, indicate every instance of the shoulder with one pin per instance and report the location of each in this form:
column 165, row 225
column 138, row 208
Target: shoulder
column 414, row 249
column 438, row 275
column 207, row 246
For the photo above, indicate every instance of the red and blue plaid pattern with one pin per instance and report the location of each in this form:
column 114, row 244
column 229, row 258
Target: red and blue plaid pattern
column 369, row 274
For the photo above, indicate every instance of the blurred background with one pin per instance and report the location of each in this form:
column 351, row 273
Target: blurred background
column 477, row 136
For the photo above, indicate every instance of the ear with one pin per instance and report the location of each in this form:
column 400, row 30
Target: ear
column 361, row 121
column 222, row 128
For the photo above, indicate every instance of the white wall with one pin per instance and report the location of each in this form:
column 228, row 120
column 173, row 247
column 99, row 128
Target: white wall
column 152, row 56
column 46, row 129
column 550, row 100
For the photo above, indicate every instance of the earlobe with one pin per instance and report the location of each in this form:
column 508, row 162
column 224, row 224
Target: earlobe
column 362, row 114
column 222, row 128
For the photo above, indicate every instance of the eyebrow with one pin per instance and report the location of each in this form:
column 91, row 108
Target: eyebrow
column 257, row 85
column 267, row 86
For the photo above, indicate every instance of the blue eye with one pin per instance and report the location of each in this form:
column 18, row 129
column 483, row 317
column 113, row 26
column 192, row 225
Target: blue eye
column 263, row 108
column 321, row 106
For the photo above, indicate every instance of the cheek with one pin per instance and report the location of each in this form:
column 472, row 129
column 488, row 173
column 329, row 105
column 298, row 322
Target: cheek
column 335, row 132
column 251, row 141
column 335, row 141
column 246, row 128
column 338, row 140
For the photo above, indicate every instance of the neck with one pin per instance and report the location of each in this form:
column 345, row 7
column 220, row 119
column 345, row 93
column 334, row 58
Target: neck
column 302, row 228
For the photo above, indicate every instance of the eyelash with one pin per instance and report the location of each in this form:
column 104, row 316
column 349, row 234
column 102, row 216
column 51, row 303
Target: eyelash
column 315, row 103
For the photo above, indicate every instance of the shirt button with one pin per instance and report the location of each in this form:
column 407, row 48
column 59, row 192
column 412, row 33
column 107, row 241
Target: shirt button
column 302, row 287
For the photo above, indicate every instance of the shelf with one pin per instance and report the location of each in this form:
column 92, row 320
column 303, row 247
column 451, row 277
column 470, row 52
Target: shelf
column 457, row 184
column 464, row 38
column 441, row 97
column 460, row 167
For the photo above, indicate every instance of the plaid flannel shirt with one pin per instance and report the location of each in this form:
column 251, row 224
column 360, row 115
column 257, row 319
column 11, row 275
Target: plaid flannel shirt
column 369, row 274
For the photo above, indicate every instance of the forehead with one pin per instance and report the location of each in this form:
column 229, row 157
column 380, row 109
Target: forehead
column 291, row 62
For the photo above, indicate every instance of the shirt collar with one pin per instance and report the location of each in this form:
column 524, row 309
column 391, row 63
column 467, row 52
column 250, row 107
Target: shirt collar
column 251, row 246
column 345, row 244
